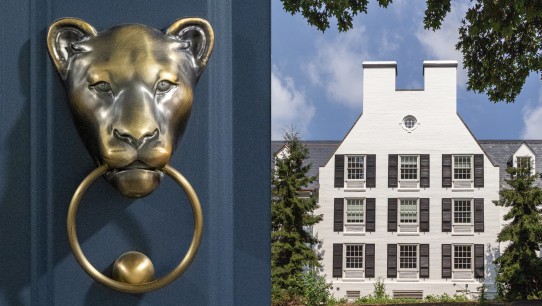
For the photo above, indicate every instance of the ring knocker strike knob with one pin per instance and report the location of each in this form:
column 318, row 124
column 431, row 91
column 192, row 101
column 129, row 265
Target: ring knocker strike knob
column 133, row 271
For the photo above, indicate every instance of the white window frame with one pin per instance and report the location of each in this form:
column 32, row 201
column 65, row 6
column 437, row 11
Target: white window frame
column 409, row 183
column 466, row 273
column 463, row 228
column 531, row 162
column 355, row 227
column 463, row 183
column 412, row 228
column 355, row 183
column 408, row 274
column 356, row 272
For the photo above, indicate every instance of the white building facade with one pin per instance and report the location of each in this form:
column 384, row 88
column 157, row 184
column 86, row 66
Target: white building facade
column 407, row 197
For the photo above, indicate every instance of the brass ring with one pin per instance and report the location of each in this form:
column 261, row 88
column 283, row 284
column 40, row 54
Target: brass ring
column 152, row 285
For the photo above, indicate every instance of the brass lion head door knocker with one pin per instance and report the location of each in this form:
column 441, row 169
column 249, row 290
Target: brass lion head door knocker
column 130, row 92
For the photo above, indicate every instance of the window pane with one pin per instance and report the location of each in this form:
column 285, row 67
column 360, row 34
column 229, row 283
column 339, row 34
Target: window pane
column 355, row 167
column 462, row 211
column 354, row 211
column 523, row 163
column 354, row 256
column 462, row 167
column 409, row 167
column 408, row 256
column 408, row 211
column 462, row 257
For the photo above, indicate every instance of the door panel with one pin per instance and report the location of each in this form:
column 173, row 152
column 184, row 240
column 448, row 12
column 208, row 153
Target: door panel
column 224, row 154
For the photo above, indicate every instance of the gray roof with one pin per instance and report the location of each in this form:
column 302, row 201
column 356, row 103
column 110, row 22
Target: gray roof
column 319, row 154
column 498, row 151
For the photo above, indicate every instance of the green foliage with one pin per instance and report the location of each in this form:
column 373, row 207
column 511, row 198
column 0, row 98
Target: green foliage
column 380, row 289
column 519, row 273
column 318, row 12
column 311, row 287
column 482, row 298
column 445, row 298
column 291, row 216
column 501, row 40
column 501, row 43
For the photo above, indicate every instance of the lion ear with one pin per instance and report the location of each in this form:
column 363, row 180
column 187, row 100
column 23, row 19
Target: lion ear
column 197, row 37
column 62, row 37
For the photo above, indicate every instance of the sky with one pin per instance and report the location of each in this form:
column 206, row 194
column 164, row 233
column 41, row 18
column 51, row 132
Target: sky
column 316, row 78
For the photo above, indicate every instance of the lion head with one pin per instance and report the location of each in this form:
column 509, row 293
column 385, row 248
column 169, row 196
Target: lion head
column 130, row 91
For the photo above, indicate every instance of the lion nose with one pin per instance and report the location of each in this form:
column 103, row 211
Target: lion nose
column 135, row 139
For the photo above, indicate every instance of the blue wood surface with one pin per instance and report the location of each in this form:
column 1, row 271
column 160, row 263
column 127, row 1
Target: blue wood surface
column 224, row 154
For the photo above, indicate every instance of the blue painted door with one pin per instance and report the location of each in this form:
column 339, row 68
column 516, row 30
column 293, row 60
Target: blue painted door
column 224, row 154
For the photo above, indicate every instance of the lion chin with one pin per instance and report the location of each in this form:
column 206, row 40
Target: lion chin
column 135, row 183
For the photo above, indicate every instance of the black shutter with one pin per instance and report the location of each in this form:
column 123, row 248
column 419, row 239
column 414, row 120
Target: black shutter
column 479, row 170
column 369, row 260
column 446, row 215
column 424, row 215
column 370, row 214
column 338, row 215
column 392, row 260
column 446, row 261
column 392, row 215
column 424, row 260
column 424, row 171
column 339, row 171
column 478, row 261
column 371, row 171
column 446, row 170
column 337, row 260
column 479, row 215
column 392, row 170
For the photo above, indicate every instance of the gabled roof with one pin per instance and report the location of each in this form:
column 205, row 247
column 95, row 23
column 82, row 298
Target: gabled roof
column 320, row 151
column 500, row 151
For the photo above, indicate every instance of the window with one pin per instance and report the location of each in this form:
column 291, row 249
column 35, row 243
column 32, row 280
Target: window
column 355, row 167
column 408, row 211
column 409, row 123
column 355, row 211
column 353, row 261
column 355, row 171
column 408, row 171
column 462, row 257
column 462, row 167
column 409, row 167
column 523, row 163
column 354, row 256
column 462, row 212
column 408, row 216
column 408, row 256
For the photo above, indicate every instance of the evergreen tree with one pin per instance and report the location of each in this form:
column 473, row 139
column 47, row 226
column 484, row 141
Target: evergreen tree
column 291, row 216
column 519, row 272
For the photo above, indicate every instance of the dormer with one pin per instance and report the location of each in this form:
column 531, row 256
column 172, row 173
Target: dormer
column 524, row 155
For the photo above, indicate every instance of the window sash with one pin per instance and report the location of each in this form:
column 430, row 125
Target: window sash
column 462, row 212
column 355, row 167
column 523, row 164
column 409, row 166
column 355, row 211
column 353, row 256
column 462, row 257
column 408, row 211
column 408, row 256
column 462, row 167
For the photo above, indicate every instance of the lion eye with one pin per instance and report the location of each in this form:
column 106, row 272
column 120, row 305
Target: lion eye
column 102, row 87
column 164, row 86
